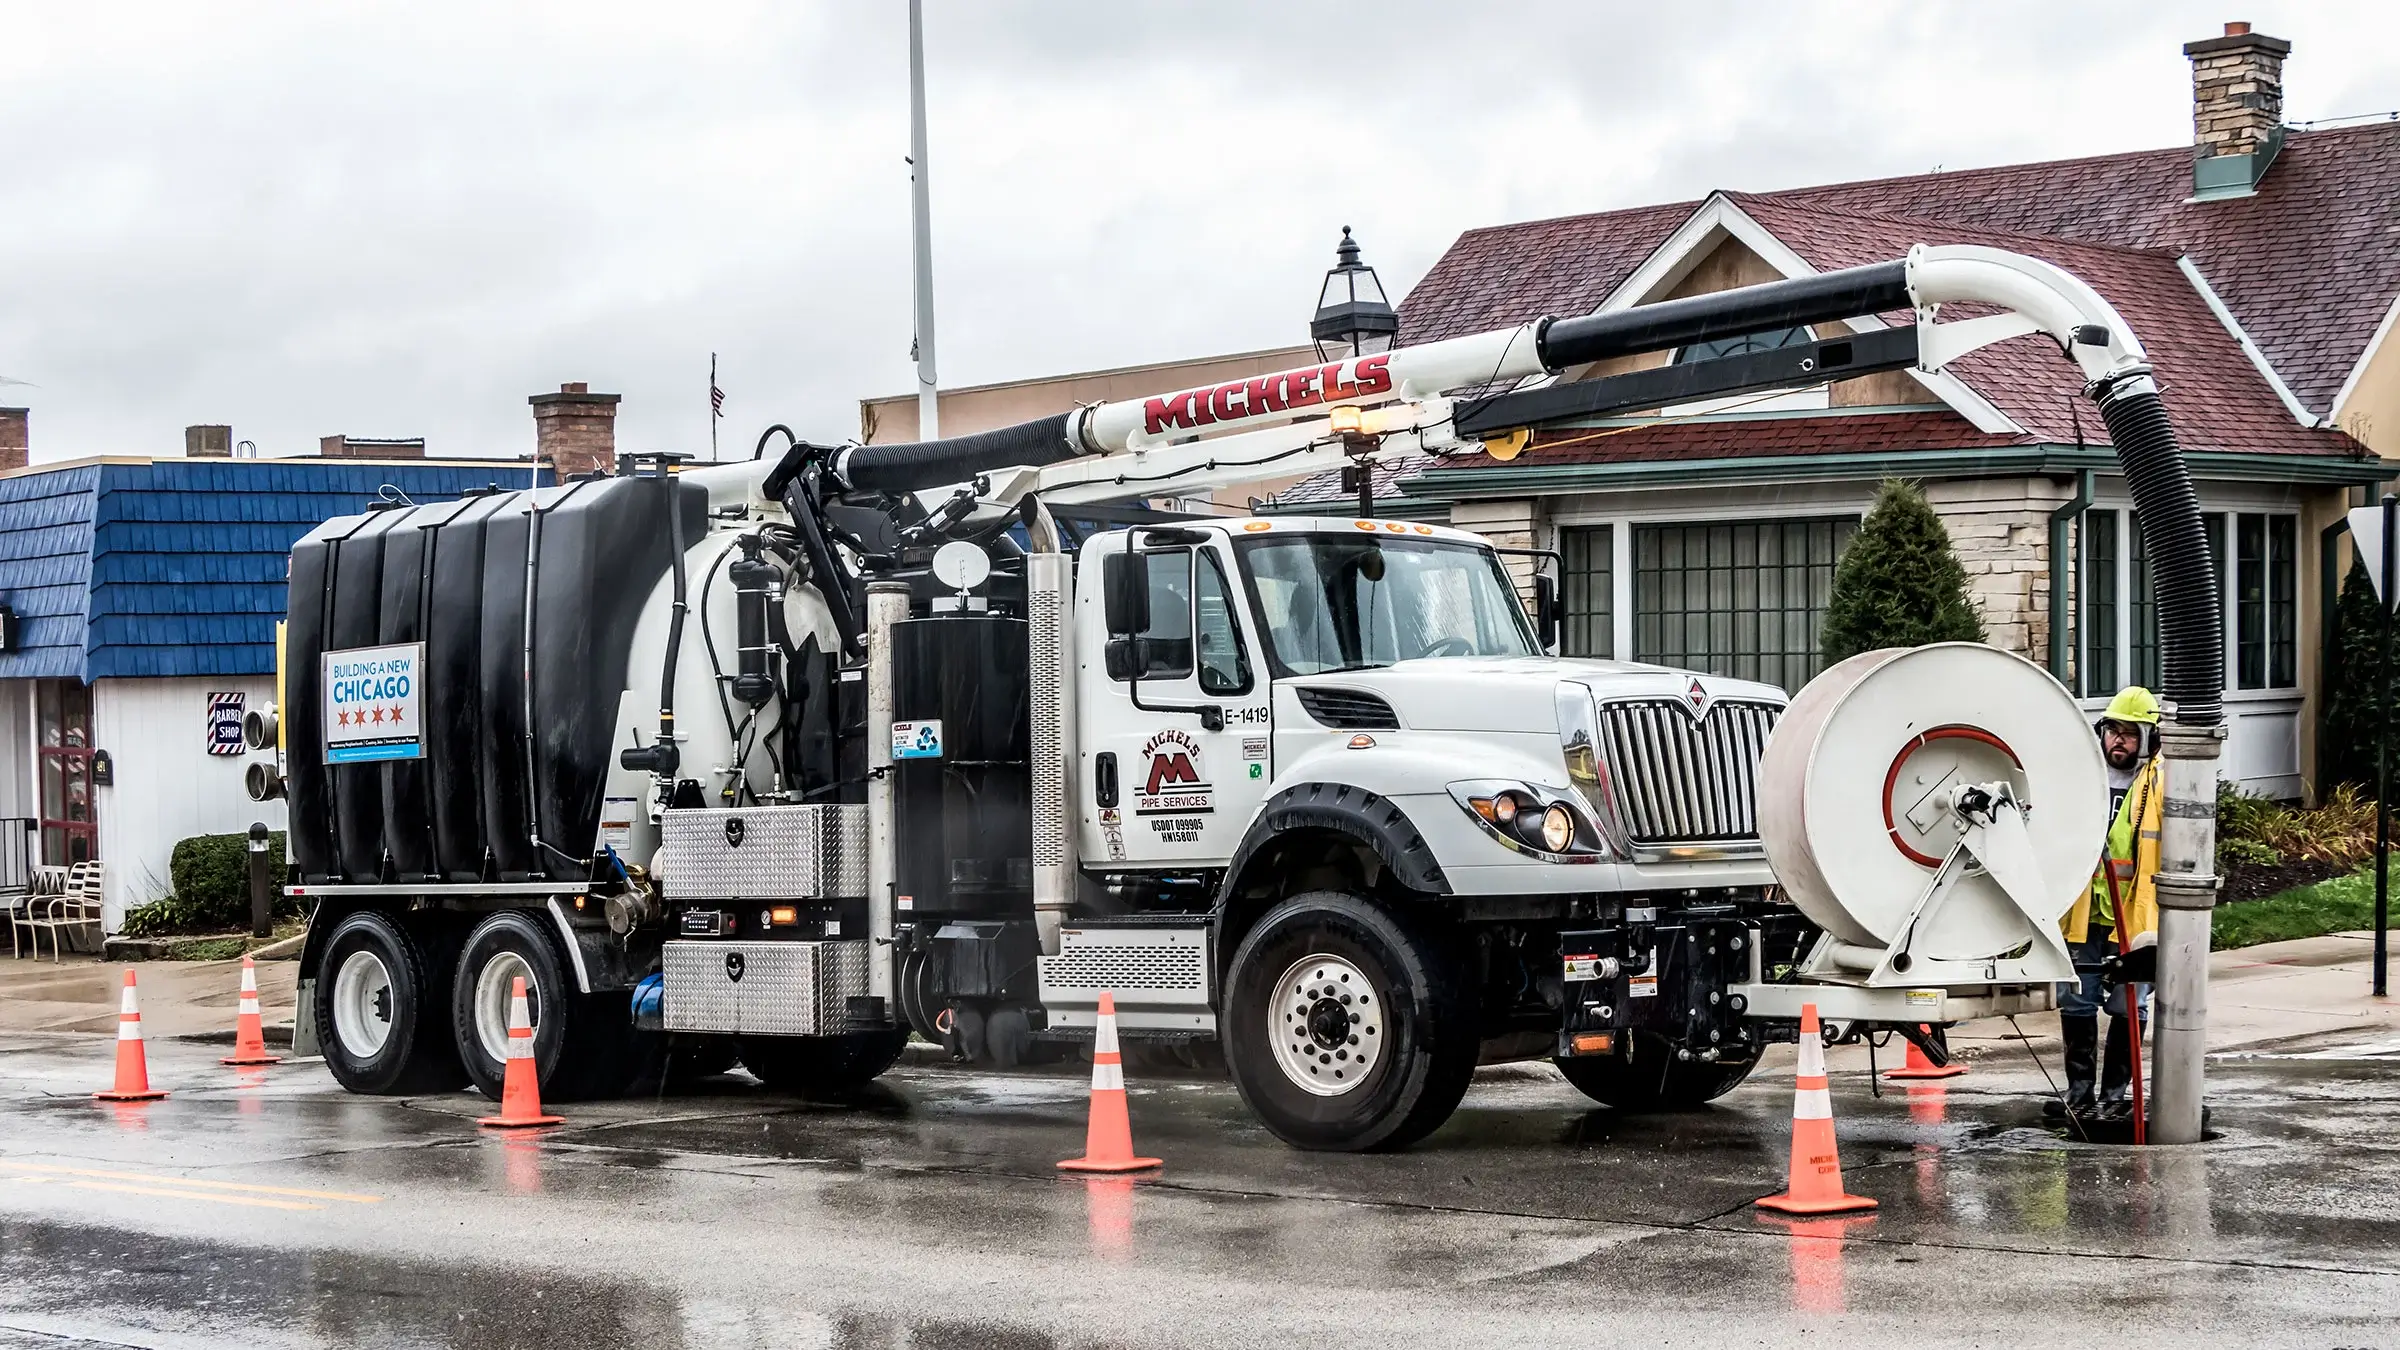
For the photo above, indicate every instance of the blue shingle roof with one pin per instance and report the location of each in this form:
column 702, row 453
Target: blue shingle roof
column 177, row 567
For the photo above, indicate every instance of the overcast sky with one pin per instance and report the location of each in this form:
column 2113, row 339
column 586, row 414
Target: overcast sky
column 401, row 219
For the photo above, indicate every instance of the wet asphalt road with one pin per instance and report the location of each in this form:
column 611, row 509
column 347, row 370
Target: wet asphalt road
column 266, row 1208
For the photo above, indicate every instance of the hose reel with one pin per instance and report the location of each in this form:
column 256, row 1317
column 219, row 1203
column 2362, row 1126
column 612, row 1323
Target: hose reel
column 1935, row 810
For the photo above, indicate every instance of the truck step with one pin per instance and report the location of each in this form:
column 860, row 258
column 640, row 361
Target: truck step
column 1159, row 974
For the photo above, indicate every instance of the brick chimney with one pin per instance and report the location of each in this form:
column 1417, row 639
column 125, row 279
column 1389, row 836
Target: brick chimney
column 13, row 442
column 205, row 442
column 576, row 429
column 361, row 447
column 2237, row 110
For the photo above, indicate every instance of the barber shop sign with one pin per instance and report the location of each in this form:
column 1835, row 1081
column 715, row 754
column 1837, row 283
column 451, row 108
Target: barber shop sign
column 225, row 724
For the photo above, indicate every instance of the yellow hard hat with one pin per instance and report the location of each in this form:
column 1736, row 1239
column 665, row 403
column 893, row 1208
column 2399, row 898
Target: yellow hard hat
column 2133, row 704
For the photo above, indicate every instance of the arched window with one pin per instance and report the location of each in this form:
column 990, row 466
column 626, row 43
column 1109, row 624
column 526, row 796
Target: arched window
column 1743, row 345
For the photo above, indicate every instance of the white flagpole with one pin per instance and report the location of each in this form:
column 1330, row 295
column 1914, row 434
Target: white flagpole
column 929, row 418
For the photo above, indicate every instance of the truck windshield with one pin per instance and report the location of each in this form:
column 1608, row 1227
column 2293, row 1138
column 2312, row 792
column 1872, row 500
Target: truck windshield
column 1330, row 602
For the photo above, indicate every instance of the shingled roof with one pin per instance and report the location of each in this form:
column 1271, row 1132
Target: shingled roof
column 2308, row 265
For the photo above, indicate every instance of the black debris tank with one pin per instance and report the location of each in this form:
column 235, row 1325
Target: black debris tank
column 357, row 621
column 964, row 829
column 500, row 682
column 453, row 695
column 407, row 783
column 307, row 789
column 604, row 547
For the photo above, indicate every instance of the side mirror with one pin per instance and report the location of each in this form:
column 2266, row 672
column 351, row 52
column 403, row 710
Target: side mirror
column 1549, row 612
column 1125, row 594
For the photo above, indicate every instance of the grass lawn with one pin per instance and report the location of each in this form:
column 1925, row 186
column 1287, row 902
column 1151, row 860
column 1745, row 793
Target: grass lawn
column 2344, row 904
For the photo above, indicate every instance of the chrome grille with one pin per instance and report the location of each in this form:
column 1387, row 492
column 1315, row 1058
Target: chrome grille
column 1683, row 781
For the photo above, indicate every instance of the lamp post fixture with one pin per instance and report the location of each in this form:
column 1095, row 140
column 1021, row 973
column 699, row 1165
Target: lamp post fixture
column 1352, row 318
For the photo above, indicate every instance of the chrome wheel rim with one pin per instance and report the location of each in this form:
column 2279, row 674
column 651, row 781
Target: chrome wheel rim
column 493, row 984
column 362, row 1005
column 1325, row 1020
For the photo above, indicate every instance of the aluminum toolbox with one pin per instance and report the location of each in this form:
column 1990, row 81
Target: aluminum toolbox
column 1159, row 976
column 767, row 988
column 765, row 853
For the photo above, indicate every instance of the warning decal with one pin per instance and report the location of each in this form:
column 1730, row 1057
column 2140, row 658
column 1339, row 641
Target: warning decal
column 1173, row 781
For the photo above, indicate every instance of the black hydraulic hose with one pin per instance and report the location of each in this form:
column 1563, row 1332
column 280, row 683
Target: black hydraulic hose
column 955, row 459
column 2191, row 622
column 1827, row 296
column 825, row 570
column 663, row 759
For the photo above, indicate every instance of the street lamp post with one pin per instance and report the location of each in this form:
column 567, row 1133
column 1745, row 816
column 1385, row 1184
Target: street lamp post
column 1353, row 319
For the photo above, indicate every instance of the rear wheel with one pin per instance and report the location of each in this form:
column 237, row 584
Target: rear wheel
column 1347, row 1028
column 582, row 1046
column 1657, row 1081
column 377, row 1002
column 819, row 1066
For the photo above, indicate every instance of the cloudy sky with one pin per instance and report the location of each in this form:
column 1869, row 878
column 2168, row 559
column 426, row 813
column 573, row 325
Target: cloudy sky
column 401, row 219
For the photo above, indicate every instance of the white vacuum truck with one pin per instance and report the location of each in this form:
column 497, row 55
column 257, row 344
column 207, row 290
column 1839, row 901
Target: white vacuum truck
column 784, row 759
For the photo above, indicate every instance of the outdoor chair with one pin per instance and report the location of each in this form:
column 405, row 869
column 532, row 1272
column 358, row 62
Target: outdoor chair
column 27, row 917
column 73, row 909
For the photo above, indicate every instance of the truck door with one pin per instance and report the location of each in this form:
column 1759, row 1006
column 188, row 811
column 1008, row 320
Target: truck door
column 1175, row 734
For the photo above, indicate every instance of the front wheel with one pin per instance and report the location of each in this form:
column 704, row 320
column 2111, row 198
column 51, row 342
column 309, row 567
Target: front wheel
column 1346, row 1027
column 1657, row 1081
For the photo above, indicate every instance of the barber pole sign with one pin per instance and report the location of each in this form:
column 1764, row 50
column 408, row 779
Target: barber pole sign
column 225, row 724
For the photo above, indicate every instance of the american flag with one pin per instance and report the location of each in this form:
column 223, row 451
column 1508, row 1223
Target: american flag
column 716, row 396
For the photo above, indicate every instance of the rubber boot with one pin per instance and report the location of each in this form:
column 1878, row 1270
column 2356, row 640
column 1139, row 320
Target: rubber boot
column 2116, row 1070
column 2082, row 1037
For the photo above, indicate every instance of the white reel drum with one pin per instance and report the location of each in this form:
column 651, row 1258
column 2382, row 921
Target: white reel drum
column 1935, row 810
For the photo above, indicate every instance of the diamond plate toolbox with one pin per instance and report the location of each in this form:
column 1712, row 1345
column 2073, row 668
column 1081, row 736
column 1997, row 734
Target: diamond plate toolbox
column 765, row 988
column 765, row 853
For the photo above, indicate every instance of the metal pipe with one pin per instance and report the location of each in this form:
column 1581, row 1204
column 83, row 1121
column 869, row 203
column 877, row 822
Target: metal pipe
column 2188, row 832
column 1050, row 616
column 920, row 177
column 887, row 604
column 1827, row 296
column 2383, row 747
column 2062, row 570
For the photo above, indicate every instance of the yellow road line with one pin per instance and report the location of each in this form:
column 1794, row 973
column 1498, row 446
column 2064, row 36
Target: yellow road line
column 56, row 1170
column 254, row 1202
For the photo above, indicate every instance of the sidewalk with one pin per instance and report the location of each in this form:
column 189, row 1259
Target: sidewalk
column 178, row 998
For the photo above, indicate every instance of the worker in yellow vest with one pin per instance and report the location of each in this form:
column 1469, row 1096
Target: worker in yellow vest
column 2123, row 896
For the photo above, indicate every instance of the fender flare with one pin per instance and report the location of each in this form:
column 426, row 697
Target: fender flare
column 1370, row 818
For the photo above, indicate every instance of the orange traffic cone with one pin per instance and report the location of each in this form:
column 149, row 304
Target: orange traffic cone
column 1918, row 1066
column 1108, row 1140
column 521, row 1088
column 249, row 1034
column 1814, row 1185
column 133, row 1069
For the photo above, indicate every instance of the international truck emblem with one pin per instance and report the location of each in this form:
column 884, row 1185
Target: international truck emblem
column 733, row 837
column 1695, row 700
column 734, row 965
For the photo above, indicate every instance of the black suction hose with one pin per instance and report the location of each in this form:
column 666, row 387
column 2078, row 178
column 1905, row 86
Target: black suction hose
column 955, row 459
column 663, row 758
column 2191, row 622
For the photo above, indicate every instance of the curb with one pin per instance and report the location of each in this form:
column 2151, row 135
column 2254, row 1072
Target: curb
column 275, row 1033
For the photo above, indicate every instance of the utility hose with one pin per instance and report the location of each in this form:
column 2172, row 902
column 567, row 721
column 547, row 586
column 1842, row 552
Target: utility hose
column 955, row 459
column 2191, row 620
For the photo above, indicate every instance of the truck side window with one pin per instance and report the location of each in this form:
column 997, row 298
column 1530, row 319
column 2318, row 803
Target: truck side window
column 1165, row 647
column 1224, row 662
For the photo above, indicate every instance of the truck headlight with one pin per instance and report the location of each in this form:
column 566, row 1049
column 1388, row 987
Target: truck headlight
column 1530, row 819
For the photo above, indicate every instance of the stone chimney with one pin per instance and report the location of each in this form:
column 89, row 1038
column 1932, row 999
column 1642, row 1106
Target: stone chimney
column 208, row 442
column 576, row 430
column 13, row 444
column 2237, row 110
column 361, row 447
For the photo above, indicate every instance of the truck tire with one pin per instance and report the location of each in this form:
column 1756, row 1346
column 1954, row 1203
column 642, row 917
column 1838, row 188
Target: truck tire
column 1326, row 980
column 378, row 1005
column 822, row 1066
column 582, row 1047
column 1656, row 1082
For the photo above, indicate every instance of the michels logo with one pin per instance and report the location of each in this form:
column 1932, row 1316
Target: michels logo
column 1281, row 392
